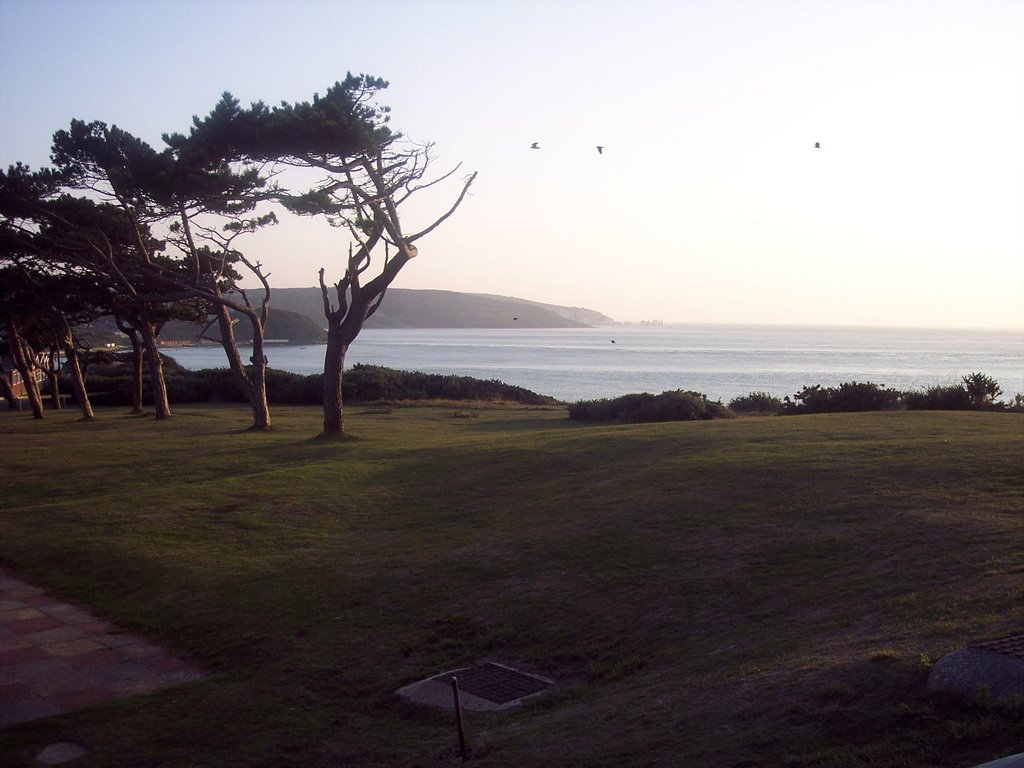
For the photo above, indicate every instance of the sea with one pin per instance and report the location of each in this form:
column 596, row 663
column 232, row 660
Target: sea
column 722, row 362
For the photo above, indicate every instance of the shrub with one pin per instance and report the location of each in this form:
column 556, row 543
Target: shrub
column 756, row 404
column 982, row 389
column 363, row 383
column 675, row 405
column 294, row 389
column 855, row 396
column 939, row 398
column 851, row 396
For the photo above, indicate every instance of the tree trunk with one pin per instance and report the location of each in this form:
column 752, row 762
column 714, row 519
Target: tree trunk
column 23, row 362
column 13, row 403
column 53, row 381
column 78, row 384
column 334, row 366
column 156, row 369
column 254, row 389
column 75, row 369
column 133, row 336
column 137, row 357
column 260, row 408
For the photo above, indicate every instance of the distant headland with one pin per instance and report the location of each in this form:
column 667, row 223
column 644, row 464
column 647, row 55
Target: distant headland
column 297, row 315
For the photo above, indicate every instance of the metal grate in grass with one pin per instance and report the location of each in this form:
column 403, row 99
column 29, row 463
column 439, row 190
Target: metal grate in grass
column 1008, row 646
column 497, row 683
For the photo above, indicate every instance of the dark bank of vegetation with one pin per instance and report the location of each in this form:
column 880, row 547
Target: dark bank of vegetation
column 736, row 592
column 976, row 392
column 110, row 384
column 644, row 407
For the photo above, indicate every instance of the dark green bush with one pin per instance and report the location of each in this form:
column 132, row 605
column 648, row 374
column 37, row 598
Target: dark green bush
column 939, row 398
column 756, row 404
column 363, row 383
column 848, row 397
column 373, row 382
column 106, row 389
column 983, row 390
column 674, row 405
column 295, row 389
column 368, row 383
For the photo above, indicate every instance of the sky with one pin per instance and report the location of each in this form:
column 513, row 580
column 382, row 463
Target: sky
column 709, row 203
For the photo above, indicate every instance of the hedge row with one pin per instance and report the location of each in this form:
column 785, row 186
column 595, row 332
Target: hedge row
column 110, row 384
column 976, row 392
column 362, row 383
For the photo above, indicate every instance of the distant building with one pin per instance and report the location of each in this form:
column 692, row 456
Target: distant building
column 10, row 374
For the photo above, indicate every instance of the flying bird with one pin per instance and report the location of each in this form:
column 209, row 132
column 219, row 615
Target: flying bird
column 535, row 145
column 817, row 145
column 600, row 149
column 613, row 341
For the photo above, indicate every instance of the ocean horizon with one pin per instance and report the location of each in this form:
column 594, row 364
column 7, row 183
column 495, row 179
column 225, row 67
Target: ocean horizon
column 721, row 361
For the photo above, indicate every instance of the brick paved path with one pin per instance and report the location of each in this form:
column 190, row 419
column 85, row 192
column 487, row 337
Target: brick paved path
column 56, row 657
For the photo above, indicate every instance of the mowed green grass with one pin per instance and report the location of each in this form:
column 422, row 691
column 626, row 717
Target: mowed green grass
column 750, row 592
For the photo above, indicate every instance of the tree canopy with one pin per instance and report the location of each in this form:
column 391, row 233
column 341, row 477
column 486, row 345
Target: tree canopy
column 154, row 230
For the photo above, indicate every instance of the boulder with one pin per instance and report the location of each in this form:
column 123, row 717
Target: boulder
column 995, row 667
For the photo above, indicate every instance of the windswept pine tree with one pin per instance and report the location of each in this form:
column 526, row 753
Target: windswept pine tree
column 367, row 174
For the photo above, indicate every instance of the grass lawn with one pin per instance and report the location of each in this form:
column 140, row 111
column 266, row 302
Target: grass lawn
column 749, row 592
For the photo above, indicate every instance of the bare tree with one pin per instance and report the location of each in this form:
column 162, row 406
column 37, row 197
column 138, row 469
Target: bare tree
column 368, row 175
column 366, row 201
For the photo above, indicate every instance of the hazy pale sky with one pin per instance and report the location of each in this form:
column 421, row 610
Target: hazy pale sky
column 709, row 204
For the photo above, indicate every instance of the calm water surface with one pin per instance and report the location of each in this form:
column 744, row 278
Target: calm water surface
column 723, row 362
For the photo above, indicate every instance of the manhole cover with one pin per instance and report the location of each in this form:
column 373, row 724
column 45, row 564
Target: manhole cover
column 496, row 683
column 1008, row 646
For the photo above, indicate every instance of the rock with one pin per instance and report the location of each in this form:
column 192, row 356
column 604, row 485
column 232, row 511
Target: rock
column 971, row 671
column 60, row 752
column 1013, row 761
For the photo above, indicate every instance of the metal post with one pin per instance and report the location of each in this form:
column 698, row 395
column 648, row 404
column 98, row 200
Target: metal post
column 458, row 718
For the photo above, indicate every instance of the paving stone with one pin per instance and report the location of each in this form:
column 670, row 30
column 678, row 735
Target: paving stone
column 126, row 670
column 140, row 651
column 94, row 628
column 56, row 657
column 69, row 701
column 14, row 641
column 20, row 614
column 21, row 655
column 69, row 614
column 19, row 589
column 72, row 647
column 26, row 626
column 115, row 639
column 15, row 712
column 15, row 692
column 39, row 601
column 55, row 635
column 46, row 678
column 100, row 658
